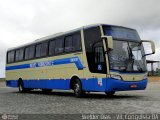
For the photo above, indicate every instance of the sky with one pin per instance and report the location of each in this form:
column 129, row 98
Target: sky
column 23, row 21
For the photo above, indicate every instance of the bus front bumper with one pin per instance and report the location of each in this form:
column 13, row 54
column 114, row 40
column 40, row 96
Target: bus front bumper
column 110, row 85
column 120, row 85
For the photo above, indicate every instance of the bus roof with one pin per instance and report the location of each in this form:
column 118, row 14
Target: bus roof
column 60, row 34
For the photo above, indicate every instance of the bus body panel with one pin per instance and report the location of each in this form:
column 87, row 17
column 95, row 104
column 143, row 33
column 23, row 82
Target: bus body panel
column 91, row 84
column 43, row 75
column 55, row 76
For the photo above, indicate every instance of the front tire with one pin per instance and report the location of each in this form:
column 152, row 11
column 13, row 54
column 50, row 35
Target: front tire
column 77, row 87
column 110, row 94
column 46, row 90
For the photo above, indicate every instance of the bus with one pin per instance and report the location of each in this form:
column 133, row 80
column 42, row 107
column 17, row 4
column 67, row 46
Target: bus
column 94, row 58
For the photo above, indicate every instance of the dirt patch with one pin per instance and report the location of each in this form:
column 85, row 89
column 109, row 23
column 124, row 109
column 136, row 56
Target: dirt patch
column 154, row 79
column 2, row 84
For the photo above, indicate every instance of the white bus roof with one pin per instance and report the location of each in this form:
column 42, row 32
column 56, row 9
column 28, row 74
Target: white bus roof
column 58, row 34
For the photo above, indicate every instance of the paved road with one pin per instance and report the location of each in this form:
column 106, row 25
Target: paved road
column 64, row 102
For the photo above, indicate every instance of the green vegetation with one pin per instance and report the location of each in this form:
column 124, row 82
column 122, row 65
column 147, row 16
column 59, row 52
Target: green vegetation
column 154, row 73
column 157, row 73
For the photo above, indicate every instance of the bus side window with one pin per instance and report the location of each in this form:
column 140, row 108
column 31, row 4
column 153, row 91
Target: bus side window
column 26, row 53
column 31, row 52
column 10, row 56
column 68, row 44
column 52, row 47
column 59, row 48
column 44, row 49
column 77, row 46
column 21, row 54
column 38, row 50
column 17, row 55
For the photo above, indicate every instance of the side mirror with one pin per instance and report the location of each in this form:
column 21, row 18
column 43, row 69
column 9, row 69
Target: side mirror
column 152, row 47
column 109, row 41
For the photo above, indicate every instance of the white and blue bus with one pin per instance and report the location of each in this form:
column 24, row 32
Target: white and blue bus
column 95, row 58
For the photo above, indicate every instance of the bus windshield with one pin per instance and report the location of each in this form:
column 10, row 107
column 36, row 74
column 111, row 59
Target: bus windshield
column 127, row 54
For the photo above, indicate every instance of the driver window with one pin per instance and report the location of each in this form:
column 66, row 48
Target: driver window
column 99, row 55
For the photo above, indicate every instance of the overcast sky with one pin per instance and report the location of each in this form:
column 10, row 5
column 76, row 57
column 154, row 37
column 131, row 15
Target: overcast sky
column 23, row 21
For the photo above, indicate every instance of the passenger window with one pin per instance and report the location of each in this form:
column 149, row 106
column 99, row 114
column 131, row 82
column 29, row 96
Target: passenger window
column 21, row 54
column 73, row 43
column 38, row 50
column 68, row 44
column 10, row 56
column 17, row 55
column 26, row 53
column 31, row 52
column 77, row 42
column 59, row 48
column 44, row 49
column 51, row 47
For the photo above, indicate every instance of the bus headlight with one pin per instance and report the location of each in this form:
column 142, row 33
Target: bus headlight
column 118, row 77
column 145, row 77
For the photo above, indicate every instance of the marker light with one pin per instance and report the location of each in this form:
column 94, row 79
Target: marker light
column 118, row 77
column 145, row 77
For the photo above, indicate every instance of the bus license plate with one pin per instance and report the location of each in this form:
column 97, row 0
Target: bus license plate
column 133, row 86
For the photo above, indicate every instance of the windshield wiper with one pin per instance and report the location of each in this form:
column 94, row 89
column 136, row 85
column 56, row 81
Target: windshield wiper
column 140, row 69
column 131, row 56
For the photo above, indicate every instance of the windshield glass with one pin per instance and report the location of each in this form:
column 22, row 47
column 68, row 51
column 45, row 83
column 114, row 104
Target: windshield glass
column 121, row 33
column 127, row 56
column 127, row 53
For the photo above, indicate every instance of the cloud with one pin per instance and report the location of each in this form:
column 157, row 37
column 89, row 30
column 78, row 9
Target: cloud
column 22, row 21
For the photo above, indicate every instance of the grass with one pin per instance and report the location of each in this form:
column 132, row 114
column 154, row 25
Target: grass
column 2, row 79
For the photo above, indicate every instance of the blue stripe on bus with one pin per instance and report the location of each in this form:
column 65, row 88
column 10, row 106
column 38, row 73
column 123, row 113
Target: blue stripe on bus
column 91, row 84
column 74, row 60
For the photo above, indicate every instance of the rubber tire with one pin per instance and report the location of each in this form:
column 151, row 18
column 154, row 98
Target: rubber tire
column 110, row 94
column 21, row 87
column 77, row 88
column 46, row 90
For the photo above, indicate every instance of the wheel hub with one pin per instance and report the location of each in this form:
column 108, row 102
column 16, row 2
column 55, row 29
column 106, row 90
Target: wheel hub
column 76, row 88
column 20, row 87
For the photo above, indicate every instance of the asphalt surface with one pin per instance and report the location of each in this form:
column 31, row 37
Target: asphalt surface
column 64, row 102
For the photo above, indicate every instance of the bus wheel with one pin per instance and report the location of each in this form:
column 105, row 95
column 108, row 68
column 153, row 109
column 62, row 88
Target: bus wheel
column 46, row 90
column 110, row 93
column 78, row 88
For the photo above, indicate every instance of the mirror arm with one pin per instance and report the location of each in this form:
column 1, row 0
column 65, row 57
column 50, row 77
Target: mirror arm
column 152, row 47
column 148, row 54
